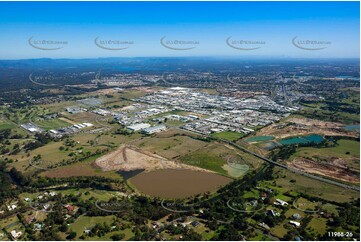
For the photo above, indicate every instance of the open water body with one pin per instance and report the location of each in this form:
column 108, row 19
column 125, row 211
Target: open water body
column 312, row 138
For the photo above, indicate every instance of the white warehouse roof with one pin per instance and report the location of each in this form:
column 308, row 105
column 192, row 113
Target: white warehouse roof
column 140, row 126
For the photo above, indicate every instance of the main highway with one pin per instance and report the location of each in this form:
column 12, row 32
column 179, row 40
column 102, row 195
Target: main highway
column 322, row 179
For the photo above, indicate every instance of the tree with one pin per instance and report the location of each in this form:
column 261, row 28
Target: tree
column 63, row 227
column 71, row 235
column 117, row 237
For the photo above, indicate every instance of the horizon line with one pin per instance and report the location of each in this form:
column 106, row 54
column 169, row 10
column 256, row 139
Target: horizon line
column 205, row 56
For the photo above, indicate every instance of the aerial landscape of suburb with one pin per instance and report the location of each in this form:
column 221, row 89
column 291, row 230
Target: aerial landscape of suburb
column 186, row 121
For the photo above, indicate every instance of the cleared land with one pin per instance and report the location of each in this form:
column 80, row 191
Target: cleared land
column 170, row 144
column 335, row 168
column 340, row 162
column 129, row 158
column 299, row 126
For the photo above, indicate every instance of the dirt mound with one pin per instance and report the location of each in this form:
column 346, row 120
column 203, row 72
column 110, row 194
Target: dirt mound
column 129, row 158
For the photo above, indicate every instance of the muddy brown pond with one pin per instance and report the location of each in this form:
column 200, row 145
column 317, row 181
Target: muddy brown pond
column 177, row 183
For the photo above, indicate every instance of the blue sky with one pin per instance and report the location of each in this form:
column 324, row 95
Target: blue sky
column 209, row 24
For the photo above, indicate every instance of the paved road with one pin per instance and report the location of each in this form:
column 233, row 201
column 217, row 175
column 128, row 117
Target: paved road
column 293, row 170
column 284, row 166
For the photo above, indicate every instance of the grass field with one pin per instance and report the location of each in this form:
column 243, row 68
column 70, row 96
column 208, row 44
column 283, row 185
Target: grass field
column 292, row 211
column 88, row 222
column 342, row 117
column 12, row 223
column 170, row 147
column 133, row 94
column 228, row 135
column 83, row 168
column 215, row 155
column 304, row 204
column 344, row 145
column 253, row 193
column 174, row 123
column 206, row 233
column 84, row 194
column 279, row 231
column 346, row 149
column 312, row 187
column 59, row 107
column 317, row 225
column 9, row 222
column 103, row 139
column 330, row 208
column 82, row 117
column 52, row 124
column 211, row 157
column 6, row 125
column 84, row 143
column 284, row 198
column 237, row 170
column 117, row 140
column 50, row 154
column 87, row 193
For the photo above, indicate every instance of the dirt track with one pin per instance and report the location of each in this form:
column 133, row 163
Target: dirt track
column 335, row 169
